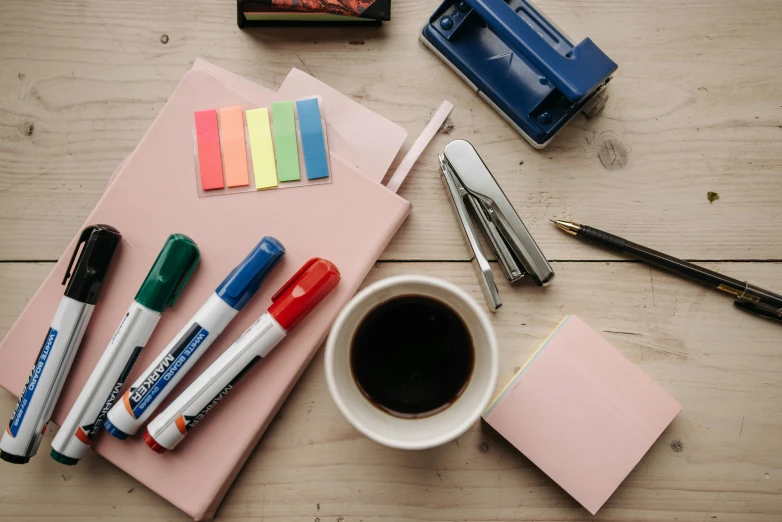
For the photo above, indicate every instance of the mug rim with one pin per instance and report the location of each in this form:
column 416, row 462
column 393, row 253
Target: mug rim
column 359, row 300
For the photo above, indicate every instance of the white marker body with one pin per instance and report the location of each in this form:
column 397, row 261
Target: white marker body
column 162, row 376
column 105, row 383
column 170, row 427
column 39, row 396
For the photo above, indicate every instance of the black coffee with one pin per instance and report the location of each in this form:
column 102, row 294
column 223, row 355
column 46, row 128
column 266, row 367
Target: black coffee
column 412, row 356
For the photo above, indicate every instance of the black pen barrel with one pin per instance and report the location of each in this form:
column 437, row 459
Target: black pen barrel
column 679, row 266
column 748, row 296
column 664, row 261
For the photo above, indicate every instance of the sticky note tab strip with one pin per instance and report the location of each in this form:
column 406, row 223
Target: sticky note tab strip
column 234, row 148
column 261, row 148
column 208, row 141
column 285, row 146
column 312, row 139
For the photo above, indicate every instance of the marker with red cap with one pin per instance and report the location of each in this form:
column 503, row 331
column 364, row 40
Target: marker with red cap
column 290, row 304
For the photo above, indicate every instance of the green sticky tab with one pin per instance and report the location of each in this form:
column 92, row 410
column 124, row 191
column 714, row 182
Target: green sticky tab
column 285, row 147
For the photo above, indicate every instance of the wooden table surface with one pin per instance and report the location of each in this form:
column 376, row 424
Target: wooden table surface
column 695, row 107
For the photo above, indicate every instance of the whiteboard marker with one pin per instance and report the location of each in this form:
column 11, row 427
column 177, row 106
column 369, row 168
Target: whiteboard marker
column 39, row 396
column 290, row 304
column 161, row 288
column 157, row 381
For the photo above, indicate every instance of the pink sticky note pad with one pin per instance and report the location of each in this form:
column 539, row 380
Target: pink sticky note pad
column 582, row 412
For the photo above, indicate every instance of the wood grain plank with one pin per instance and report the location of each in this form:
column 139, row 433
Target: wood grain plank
column 694, row 108
column 721, row 458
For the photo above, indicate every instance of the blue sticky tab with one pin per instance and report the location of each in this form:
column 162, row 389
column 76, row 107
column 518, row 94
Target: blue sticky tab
column 312, row 141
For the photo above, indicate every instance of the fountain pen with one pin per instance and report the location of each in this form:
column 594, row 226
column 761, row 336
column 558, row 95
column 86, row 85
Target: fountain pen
column 748, row 297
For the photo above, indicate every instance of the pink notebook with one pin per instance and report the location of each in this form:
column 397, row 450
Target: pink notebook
column 349, row 222
column 582, row 412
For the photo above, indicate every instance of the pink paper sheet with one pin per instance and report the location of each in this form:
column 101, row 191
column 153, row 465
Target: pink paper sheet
column 582, row 412
column 153, row 195
column 367, row 141
column 260, row 94
column 406, row 165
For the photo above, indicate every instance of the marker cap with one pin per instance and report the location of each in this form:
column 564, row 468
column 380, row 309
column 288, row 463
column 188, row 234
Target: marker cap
column 100, row 242
column 244, row 280
column 303, row 292
column 170, row 273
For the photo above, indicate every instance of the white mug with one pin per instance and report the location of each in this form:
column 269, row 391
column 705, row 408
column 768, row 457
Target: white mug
column 422, row 432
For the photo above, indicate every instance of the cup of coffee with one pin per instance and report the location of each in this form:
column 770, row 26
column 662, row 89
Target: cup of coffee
column 412, row 361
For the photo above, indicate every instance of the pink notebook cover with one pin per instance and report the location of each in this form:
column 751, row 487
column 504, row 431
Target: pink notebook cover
column 349, row 222
column 582, row 412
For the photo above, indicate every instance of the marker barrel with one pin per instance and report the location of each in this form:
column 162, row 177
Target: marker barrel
column 39, row 396
column 172, row 425
column 104, row 384
column 162, row 376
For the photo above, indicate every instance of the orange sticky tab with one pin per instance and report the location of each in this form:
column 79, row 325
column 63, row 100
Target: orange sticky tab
column 234, row 149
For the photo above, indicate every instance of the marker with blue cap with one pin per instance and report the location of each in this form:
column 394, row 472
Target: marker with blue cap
column 162, row 376
column 161, row 288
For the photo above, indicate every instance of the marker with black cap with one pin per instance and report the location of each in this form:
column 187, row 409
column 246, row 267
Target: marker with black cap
column 39, row 396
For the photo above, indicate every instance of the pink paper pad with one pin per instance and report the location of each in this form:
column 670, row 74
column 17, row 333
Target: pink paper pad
column 582, row 412
column 153, row 195
column 364, row 139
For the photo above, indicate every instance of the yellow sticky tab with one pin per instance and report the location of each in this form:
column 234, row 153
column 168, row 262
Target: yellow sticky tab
column 261, row 149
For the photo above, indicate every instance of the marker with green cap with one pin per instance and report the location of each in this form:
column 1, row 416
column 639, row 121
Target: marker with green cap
column 165, row 281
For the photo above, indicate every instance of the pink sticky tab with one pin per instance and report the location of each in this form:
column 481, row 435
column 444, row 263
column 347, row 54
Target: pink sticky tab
column 209, row 159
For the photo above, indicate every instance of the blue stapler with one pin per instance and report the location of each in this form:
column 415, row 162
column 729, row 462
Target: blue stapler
column 520, row 63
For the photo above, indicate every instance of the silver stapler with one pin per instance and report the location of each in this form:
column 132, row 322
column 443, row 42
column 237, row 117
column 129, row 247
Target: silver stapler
column 474, row 190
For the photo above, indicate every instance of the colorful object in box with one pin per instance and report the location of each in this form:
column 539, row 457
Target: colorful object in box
column 251, row 12
column 297, row 298
column 582, row 412
column 261, row 148
column 233, row 147
column 285, row 142
column 285, row 148
column 210, row 161
column 313, row 142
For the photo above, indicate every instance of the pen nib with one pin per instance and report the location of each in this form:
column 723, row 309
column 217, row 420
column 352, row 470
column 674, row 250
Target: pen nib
column 567, row 226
